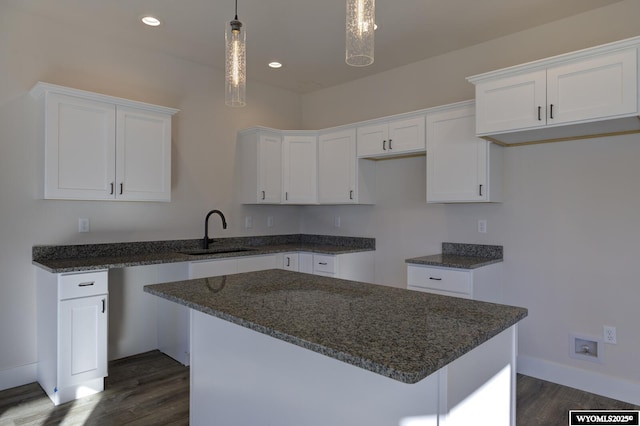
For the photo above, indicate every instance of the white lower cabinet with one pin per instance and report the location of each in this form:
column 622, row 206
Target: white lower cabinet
column 72, row 334
column 348, row 266
column 288, row 261
column 484, row 283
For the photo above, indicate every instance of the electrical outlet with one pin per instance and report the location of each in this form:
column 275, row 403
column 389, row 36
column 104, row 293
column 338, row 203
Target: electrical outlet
column 336, row 221
column 83, row 224
column 482, row 226
column 610, row 335
column 248, row 222
column 269, row 221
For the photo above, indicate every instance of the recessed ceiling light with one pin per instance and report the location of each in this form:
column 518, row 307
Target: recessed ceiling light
column 275, row 64
column 151, row 21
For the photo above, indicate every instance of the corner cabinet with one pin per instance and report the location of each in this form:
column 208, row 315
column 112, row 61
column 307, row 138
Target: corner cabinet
column 391, row 138
column 544, row 97
column 72, row 334
column 98, row 147
column 461, row 168
column 277, row 167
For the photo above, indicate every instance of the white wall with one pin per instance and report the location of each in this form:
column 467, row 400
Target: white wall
column 569, row 222
column 33, row 49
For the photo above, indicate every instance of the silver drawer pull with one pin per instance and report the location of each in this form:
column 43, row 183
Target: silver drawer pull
column 322, row 263
column 87, row 284
column 435, row 279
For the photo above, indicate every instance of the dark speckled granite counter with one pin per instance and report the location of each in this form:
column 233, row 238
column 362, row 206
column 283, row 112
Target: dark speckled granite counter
column 463, row 256
column 401, row 334
column 86, row 257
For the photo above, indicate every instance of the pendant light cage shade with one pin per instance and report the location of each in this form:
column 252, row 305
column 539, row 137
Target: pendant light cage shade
column 235, row 64
column 360, row 32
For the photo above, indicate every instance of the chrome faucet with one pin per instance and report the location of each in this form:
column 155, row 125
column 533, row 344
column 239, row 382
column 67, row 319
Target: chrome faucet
column 206, row 240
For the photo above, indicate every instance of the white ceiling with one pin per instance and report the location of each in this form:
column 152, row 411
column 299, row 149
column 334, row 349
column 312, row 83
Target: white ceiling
column 307, row 36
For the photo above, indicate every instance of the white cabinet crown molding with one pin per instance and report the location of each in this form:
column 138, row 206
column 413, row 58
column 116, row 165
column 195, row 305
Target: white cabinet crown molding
column 556, row 60
column 41, row 88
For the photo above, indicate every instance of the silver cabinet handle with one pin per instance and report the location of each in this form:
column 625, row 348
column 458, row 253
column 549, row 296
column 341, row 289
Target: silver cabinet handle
column 86, row 284
column 322, row 263
column 435, row 279
column 390, row 143
column 539, row 113
column 384, row 145
column 112, row 185
column 351, row 194
column 264, row 195
column 480, row 190
column 288, row 261
column 551, row 111
column 121, row 188
column 104, row 305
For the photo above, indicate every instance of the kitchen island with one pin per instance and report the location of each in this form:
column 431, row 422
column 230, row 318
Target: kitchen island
column 284, row 348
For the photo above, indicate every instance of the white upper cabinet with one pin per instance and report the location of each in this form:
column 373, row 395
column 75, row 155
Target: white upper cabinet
column 461, row 168
column 143, row 155
column 516, row 102
column 337, row 167
column 260, row 166
column 343, row 178
column 300, row 168
column 594, row 88
column 98, row 147
column 80, row 149
column 589, row 92
column 391, row 137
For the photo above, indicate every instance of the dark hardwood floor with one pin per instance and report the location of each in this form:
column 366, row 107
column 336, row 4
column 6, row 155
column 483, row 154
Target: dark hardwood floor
column 153, row 389
column 145, row 389
column 545, row 403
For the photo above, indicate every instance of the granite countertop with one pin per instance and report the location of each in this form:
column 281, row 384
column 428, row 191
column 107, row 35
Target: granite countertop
column 401, row 334
column 75, row 258
column 462, row 256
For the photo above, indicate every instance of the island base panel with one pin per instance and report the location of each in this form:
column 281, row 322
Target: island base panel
column 240, row 376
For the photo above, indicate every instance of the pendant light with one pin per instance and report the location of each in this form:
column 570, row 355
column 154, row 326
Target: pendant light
column 360, row 29
column 235, row 69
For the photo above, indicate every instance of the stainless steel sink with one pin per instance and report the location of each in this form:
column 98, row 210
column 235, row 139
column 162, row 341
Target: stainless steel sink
column 216, row 250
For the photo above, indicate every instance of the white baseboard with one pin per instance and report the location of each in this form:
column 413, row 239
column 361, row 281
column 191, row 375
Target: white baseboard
column 588, row 381
column 18, row 376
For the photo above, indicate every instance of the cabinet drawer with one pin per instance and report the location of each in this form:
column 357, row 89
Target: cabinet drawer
column 82, row 285
column 440, row 280
column 324, row 263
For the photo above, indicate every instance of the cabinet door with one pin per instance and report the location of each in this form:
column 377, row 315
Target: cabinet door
column 594, row 88
column 337, row 167
column 511, row 103
column 300, row 176
column 143, row 149
column 269, row 168
column 83, row 340
column 456, row 158
column 406, row 136
column 290, row 261
column 372, row 140
column 79, row 148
